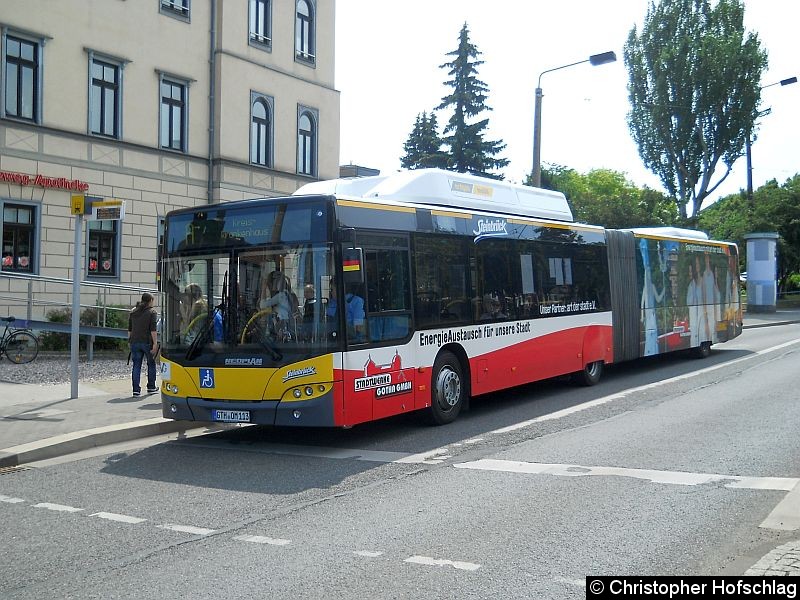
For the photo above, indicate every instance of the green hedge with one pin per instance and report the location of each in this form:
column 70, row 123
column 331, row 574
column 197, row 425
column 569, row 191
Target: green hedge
column 55, row 341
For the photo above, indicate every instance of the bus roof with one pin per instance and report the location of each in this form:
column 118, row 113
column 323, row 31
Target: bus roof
column 435, row 187
column 669, row 232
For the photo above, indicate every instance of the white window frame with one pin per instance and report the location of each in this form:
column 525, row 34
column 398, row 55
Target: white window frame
column 269, row 101
column 38, row 84
column 164, row 77
column 179, row 9
column 119, row 63
column 313, row 115
column 259, row 39
column 306, row 55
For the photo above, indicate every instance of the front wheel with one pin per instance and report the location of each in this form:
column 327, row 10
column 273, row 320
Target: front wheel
column 22, row 347
column 590, row 374
column 447, row 389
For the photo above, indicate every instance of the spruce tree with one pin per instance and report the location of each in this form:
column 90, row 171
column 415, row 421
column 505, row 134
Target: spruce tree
column 423, row 149
column 469, row 151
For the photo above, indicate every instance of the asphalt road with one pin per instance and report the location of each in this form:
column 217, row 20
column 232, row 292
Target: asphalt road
column 669, row 466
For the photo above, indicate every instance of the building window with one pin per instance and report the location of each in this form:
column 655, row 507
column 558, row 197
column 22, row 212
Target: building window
column 261, row 131
column 18, row 238
column 306, row 142
column 175, row 8
column 102, row 249
column 261, row 23
column 105, row 98
column 21, row 78
column 173, row 114
column 304, row 32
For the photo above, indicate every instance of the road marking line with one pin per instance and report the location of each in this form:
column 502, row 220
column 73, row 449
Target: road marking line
column 435, row 456
column 57, row 507
column 786, row 515
column 119, row 518
column 440, row 562
column 621, row 395
column 368, row 553
column 10, row 499
column 187, row 529
column 670, row 477
column 576, row 582
column 260, row 539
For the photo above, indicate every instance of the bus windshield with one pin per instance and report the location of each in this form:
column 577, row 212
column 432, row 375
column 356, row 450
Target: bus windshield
column 268, row 302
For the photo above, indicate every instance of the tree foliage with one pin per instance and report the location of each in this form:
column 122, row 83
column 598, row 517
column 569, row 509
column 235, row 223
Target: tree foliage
column 469, row 151
column 775, row 208
column 606, row 197
column 423, row 149
column 694, row 77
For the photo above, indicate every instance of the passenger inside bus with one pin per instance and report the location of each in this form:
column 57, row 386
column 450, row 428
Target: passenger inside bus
column 354, row 311
column 492, row 309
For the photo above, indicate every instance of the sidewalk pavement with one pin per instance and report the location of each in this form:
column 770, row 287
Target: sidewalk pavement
column 39, row 422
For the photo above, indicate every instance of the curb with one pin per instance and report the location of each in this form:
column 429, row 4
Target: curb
column 70, row 443
column 771, row 324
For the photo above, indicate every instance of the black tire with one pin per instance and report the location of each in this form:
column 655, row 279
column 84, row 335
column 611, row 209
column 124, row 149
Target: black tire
column 448, row 389
column 702, row 351
column 21, row 347
column 590, row 374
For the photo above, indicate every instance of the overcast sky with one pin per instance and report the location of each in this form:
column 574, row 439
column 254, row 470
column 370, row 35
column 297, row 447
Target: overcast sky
column 387, row 70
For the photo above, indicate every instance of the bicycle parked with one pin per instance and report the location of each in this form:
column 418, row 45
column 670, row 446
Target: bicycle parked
column 19, row 345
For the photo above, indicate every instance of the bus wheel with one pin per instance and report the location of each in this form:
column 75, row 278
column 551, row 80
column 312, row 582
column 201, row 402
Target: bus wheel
column 590, row 374
column 447, row 389
column 702, row 351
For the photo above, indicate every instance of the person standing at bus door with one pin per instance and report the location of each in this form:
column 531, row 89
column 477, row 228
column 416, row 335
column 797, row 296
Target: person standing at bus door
column 354, row 315
column 278, row 298
column 310, row 312
column 142, row 336
column 693, row 307
column 192, row 304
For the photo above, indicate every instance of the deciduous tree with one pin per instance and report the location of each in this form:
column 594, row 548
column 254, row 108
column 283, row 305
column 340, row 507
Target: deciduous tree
column 694, row 77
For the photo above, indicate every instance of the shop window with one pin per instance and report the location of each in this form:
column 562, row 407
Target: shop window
column 18, row 238
column 102, row 249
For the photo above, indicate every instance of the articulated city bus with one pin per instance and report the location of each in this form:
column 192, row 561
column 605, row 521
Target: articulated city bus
column 355, row 300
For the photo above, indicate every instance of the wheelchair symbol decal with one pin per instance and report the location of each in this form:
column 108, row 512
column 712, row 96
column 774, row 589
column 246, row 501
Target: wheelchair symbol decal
column 206, row 378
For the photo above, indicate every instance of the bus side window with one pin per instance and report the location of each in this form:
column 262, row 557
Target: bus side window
column 388, row 302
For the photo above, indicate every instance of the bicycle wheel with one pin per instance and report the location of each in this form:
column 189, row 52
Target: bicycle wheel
column 22, row 347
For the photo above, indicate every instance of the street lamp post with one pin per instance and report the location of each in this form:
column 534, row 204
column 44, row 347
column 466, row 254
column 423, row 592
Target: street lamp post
column 594, row 60
column 748, row 142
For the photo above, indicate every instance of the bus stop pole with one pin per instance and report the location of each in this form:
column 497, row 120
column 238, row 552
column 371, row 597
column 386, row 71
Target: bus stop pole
column 76, row 306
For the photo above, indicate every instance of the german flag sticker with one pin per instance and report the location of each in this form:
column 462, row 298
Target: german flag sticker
column 350, row 265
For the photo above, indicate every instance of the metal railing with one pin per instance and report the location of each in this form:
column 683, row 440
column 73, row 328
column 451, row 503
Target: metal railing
column 36, row 296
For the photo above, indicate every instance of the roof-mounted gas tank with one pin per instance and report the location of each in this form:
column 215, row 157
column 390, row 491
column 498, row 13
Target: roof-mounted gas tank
column 436, row 187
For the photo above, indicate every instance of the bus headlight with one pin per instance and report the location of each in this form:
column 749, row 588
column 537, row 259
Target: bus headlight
column 297, row 393
column 309, row 390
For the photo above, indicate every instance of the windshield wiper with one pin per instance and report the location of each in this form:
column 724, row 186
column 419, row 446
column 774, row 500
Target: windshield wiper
column 202, row 337
column 263, row 338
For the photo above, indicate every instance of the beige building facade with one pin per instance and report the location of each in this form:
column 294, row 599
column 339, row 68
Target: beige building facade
column 161, row 103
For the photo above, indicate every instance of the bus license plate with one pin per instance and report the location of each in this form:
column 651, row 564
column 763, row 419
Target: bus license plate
column 231, row 416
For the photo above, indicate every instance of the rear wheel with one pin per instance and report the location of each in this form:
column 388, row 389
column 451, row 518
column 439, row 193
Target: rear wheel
column 702, row 351
column 21, row 347
column 590, row 374
column 447, row 389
